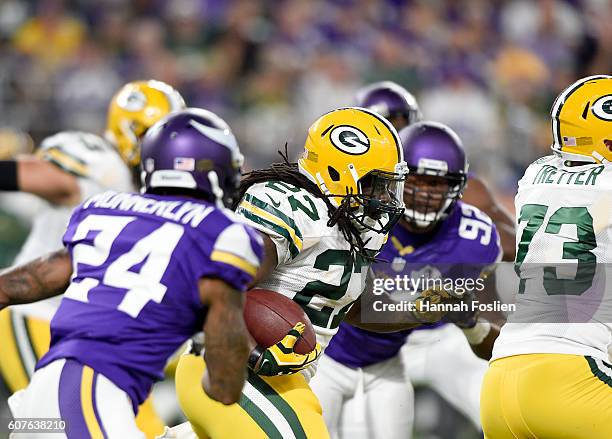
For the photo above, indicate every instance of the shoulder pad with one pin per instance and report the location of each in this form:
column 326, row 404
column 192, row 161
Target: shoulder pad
column 237, row 245
column 269, row 210
column 74, row 151
column 545, row 159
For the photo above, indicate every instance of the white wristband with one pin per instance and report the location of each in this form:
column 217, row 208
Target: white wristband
column 478, row 333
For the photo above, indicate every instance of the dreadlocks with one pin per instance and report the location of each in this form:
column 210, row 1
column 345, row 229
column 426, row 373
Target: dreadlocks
column 288, row 172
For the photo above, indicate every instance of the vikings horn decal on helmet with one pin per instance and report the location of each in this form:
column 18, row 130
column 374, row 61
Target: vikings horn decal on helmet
column 135, row 108
column 437, row 172
column 355, row 158
column 192, row 149
column 582, row 120
column 391, row 101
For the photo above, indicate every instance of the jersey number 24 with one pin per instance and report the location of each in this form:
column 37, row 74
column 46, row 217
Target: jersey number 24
column 142, row 287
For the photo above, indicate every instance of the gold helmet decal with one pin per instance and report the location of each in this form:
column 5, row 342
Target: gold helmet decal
column 134, row 109
column 582, row 120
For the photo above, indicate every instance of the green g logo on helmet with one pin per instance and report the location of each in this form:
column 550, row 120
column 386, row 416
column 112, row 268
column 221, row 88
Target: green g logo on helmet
column 602, row 107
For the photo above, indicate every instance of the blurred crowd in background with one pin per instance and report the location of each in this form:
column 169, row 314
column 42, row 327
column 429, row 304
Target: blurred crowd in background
column 488, row 68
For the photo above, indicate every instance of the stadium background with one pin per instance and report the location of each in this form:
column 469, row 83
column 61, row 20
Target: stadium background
column 489, row 69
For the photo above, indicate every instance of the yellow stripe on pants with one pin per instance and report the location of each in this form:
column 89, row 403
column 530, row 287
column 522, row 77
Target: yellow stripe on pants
column 87, row 404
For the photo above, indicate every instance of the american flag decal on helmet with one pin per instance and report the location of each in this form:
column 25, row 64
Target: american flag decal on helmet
column 569, row 141
column 184, row 164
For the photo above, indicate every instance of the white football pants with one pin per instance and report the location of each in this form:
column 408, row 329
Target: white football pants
column 442, row 359
column 376, row 402
column 88, row 403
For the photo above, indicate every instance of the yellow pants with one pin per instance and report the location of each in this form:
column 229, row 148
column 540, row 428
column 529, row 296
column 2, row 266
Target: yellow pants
column 547, row 396
column 277, row 407
column 24, row 340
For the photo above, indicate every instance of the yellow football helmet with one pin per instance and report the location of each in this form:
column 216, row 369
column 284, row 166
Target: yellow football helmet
column 133, row 110
column 582, row 120
column 355, row 158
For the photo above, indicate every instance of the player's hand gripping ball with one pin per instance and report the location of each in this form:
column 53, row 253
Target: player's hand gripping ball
column 280, row 358
column 286, row 341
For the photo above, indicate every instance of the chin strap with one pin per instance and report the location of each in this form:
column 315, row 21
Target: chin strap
column 213, row 179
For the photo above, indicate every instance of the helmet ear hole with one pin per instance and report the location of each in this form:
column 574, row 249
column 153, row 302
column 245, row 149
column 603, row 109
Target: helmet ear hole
column 333, row 174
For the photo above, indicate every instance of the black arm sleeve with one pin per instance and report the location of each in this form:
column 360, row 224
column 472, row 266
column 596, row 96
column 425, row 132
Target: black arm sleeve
column 8, row 175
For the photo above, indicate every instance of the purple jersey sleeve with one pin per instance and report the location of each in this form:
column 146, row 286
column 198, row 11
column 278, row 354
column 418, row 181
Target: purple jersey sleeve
column 233, row 255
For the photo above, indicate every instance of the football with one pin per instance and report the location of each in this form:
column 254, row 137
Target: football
column 270, row 315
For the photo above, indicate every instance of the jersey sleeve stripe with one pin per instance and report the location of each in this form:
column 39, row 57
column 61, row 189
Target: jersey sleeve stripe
column 261, row 217
column 236, row 241
column 267, row 226
column 66, row 162
column 233, row 260
column 251, row 199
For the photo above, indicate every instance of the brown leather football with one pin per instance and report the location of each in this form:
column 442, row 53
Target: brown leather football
column 269, row 316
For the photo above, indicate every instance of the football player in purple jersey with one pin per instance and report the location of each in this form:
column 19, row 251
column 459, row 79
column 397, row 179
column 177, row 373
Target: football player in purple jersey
column 362, row 381
column 142, row 274
column 399, row 106
column 69, row 167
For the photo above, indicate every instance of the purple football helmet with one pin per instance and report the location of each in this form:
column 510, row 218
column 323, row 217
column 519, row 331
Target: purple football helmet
column 192, row 150
column 392, row 101
column 437, row 172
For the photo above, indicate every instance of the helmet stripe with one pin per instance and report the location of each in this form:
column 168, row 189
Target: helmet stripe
column 327, row 130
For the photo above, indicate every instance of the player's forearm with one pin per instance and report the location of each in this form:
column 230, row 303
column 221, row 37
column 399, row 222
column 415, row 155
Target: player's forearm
column 482, row 339
column 226, row 351
column 39, row 177
column 39, row 279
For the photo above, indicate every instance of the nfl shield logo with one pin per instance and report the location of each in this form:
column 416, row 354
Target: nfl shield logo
column 398, row 264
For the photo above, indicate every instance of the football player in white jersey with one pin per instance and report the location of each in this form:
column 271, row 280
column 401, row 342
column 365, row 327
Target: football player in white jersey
column 362, row 382
column 67, row 168
column 323, row 220
column 549, row 376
